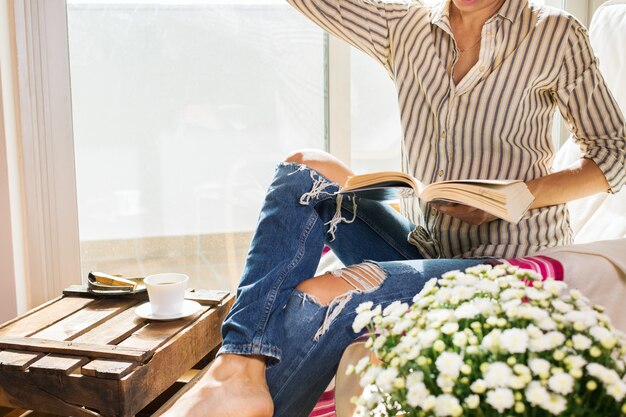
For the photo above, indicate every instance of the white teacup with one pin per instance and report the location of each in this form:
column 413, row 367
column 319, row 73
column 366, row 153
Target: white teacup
column 166, row 293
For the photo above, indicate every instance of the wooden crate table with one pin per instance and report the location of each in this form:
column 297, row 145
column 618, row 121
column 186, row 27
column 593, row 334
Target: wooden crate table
column 84, row 356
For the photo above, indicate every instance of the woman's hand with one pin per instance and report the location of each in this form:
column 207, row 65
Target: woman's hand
column 464, row 213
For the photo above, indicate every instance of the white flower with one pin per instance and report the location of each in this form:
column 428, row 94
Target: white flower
column 428, row 337
column 501, row 399
column 367, row 306
column 459, row 339
column 443, row 295
column 607, row 376
column 617, row 391
column 370, row 375
column 547, row 324
column 561, row 383
column 422, row 303
column 449, row 363
column 478, row 269
column 466, row 311
column 562, row 306
column 585, row 318
column 478, row 386
column 361, row 320
column 401, row 326
column 361, row 364
column 395, row 309
column 472, row 401
column 556, row 404
column 371, row 396
column 496, row 272
column 447, row 405
column 581, row 342
column 385, row 379
column 603, row 335
column 511, row 294
column 534, row 331
column 514, row 340
column 539, row 366
column 536, row 394
column 463, row 292
column 430, row 284
column 487, row 286
column 429, row 403
column 449, row 328
column 554, row 287
column 484, row 305
column 467, row 280
column 445, row 382
column 379, row 342
column 554, row 339
column 575, row 362
column 537, row 295
column 498, row 375
column 439, row 315
column 416, row 394
column 492, row 340
column 414, row 378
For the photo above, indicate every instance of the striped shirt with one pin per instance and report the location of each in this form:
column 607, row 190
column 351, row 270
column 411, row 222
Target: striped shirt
column 497, row 122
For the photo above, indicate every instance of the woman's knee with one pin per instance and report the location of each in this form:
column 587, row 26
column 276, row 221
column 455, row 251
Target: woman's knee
column 322, row 162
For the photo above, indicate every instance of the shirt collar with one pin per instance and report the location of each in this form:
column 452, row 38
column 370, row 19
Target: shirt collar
column 510, row 10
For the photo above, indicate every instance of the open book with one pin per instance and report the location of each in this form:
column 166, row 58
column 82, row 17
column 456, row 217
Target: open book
column 505, row 199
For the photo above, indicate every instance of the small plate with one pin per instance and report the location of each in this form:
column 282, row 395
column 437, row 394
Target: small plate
column 189, row 308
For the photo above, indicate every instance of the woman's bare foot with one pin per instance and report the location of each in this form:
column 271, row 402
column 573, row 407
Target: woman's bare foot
column 234, row 386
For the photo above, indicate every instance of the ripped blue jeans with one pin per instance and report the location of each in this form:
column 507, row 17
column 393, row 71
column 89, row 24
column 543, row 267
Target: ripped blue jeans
column 302, row 339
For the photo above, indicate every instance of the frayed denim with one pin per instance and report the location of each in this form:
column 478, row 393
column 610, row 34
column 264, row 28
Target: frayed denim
column 302, row 339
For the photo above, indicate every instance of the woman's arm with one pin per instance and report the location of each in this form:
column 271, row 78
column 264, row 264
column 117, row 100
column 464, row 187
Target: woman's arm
column 581, row 179
column 597, row 125
column 364, row 24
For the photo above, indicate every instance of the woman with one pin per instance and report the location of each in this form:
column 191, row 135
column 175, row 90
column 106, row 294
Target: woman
column 478, row 82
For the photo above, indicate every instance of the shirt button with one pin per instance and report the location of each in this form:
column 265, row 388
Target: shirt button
column 481, row 68
column 441, row 172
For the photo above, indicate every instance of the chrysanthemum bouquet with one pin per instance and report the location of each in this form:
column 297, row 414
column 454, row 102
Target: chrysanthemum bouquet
column 490, row 342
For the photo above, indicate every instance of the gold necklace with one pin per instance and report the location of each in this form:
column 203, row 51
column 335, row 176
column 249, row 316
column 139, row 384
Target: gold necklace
column 471, row 47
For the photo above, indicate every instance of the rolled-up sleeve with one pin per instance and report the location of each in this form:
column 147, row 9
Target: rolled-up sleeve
column 362, row 23
column 589, row 109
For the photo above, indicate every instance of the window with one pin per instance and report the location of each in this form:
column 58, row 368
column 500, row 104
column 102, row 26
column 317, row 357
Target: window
column 181, row 109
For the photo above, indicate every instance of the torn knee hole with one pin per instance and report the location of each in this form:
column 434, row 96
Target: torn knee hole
column 362, row 278
column 325, row 289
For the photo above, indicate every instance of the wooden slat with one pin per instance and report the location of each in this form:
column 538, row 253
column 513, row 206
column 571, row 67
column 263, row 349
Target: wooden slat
column 43, row 317
column 85, row 319
column 74, row 348
column 17, row 361
column 59, row 394
column 189, row 385
column 57, row 365
column 161, row 372
column 155, row 333
column 108, row 369
column 114, row 329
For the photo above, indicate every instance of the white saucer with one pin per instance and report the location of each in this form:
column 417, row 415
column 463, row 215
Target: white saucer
column 189, row 308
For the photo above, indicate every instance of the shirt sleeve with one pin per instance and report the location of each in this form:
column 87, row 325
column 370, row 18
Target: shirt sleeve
column 589, row 109
column 364, row 24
